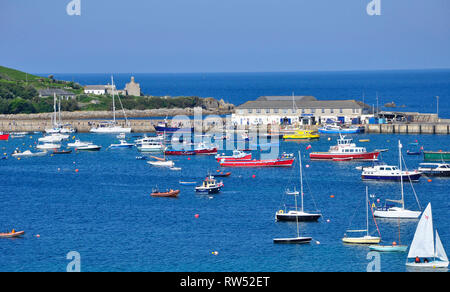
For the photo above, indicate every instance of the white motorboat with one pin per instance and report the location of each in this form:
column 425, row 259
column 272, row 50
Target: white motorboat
column 165, row 163
column 53, row 138
column 90, row 147
column 151, row 147
column 426, row 249
column 122, row 144
column 398, row 212
column 112, row 127
column 78, row 143
column 435, row 169
column 47, row 146
column 28, row 153
column 389, row 173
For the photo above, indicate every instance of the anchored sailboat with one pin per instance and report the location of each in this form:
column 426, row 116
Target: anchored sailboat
column 367, row 239
column 398, row 212
column 427, row 251
column 112, row 127
column 297, row 215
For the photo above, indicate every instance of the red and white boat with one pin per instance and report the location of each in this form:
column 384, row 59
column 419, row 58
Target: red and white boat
column 346, row 150
column 202, row 149
column 4, row 137
column 280, row 162
column 237, row 155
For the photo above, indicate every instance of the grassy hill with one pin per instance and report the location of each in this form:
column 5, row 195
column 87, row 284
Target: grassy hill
column 15, row 75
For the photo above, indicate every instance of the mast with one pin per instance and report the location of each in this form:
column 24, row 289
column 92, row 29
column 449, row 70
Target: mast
column 367, row 209
column 301, row 178
column 114, row 104
column 401, row 172
column 59, row 111
column 54, row 110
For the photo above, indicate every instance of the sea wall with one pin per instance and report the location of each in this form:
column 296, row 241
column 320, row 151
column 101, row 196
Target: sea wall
column 416, row 128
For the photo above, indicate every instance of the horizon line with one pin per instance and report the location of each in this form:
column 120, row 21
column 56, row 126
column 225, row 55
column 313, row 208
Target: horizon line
column 254, row 72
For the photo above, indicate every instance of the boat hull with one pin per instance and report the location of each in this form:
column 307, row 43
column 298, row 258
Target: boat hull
column 436, row 156
column 389, row 248
column 413, row 177
column 295, row 240
column 160, row 129
column 110, row 130
column 430, row 265
column 4, row 137
column 172, row 194
column 206, row 151
column 259, row 163
column 341, row 131
column 286, row 217
column 370, row 156
column 180, row 153
column 12, row 235
column 214, row 190
column 361, row 240
column 394, row 214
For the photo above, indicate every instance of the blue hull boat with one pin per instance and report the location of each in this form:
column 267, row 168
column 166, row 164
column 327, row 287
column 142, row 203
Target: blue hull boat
column 340, row 131
column 413, row 177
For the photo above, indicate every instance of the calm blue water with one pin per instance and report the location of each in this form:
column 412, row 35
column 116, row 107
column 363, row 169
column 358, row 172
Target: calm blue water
column 417, row 90
column 106, row 214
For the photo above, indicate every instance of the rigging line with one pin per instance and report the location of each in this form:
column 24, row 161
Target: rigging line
column 374, row 220
column 412, row 186
column 353, row 216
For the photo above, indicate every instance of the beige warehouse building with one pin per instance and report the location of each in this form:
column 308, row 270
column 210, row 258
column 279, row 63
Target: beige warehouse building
column 299, row 109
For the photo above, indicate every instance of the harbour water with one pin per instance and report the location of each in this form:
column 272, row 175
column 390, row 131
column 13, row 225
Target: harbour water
column 415, row 89
column 105, row 212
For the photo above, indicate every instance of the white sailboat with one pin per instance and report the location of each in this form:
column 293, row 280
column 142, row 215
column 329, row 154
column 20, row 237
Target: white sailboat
column 426, row 250
column 58, row 127
column 395, row 212
column 300, row 215
column 112, row 127
column 367, row 239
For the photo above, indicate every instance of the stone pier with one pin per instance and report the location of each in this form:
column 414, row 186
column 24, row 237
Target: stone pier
column 428, row 128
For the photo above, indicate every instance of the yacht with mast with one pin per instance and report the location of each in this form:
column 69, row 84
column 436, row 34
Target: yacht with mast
column 112, row 127
column 394, row 212
column 297, row 215
column 56, row 120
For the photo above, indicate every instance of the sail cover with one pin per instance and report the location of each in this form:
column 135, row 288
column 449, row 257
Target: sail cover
column 440, row 251
column 423, row 243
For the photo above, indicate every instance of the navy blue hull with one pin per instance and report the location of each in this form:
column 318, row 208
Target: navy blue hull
column 413, row 177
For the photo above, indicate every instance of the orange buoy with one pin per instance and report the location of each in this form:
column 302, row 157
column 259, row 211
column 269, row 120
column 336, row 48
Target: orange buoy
column 197, row 216
column 76, row 170
column 332, row 196
column 430, row 180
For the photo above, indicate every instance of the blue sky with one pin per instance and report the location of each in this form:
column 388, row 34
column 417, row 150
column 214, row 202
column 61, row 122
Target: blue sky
column 146, row 36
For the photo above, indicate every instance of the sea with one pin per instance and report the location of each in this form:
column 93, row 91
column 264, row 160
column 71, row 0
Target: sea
column 98, row 204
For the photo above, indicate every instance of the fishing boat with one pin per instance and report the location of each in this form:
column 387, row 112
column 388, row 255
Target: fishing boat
column 366, row 239
column 345, row 150
column 426, row 249
column 302, row 135
column 168, row 194
column 12, row 234
column 336, row 129
column 237, row 155
column 28, row 153
column 112, row 127
column 389, row 173
column 4, row 137
column 48, row 146
column 122, row 144
column 440, row 156
column 209, row 186
column 394, row 247
column 279, row 162
column 390, row 211
column 435, row 169
column 202, row 149
column 296, row 214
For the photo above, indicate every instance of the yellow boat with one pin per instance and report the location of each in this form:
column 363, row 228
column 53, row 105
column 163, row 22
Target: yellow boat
column 302, row 135
column 361, row 240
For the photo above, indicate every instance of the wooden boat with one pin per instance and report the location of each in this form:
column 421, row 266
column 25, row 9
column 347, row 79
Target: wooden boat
column 168, row 194
column 12, row 234
column 282, row 162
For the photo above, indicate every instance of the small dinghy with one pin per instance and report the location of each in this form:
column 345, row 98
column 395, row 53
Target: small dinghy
column 188, row 183
column 296, row 240
column 175, row 168
column 12, row 234
column 221, row 174
column 167, row 194
column 62, row 152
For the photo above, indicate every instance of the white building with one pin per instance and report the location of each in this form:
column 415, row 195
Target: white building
column 95, row 89
column 299, row 109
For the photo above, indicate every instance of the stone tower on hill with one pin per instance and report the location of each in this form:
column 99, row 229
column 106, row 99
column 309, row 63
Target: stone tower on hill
column 133, row 88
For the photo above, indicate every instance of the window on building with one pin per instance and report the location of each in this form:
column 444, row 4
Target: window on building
column 323, row 110
column 313, row 110
column 276, row 110
column 332, row 111
column 267, row 111
column 303, row 111
column 341, row 111
column 285, row 111
column 258, row 111
column 250, row 111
